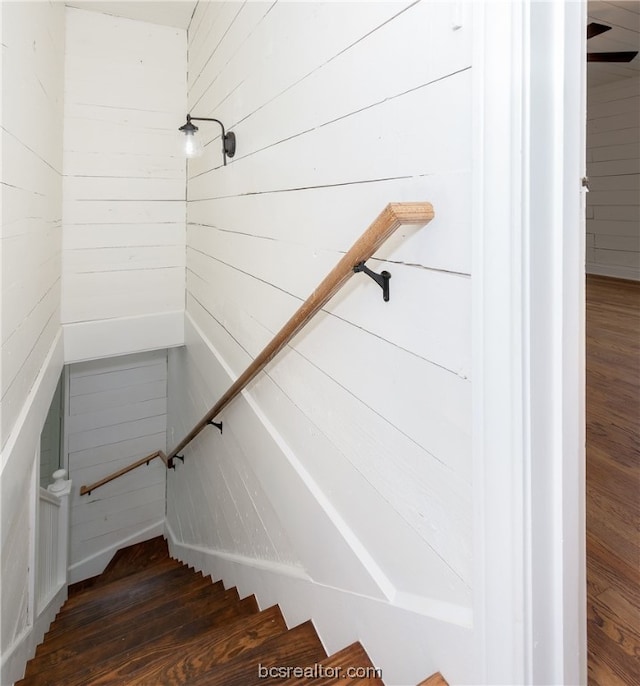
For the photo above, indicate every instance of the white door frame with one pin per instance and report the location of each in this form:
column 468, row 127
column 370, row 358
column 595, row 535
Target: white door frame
column 528, row 368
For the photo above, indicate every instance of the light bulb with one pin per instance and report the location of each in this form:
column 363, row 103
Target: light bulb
column 192, row 145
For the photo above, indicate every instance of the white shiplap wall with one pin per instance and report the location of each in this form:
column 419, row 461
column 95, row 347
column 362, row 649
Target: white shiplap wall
column 124, row 209
column 30, row 246
column 356, row 443
column 116, row 415
column 33, row 41
column 613, row 166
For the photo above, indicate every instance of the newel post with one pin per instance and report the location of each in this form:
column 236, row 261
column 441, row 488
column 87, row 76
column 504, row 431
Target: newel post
column 62, row 489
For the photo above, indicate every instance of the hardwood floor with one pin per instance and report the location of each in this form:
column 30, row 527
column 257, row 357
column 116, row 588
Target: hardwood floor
column 613, row 481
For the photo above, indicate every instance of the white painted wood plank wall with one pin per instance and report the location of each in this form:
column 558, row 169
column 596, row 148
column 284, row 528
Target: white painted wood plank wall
column 613, row 167
column 124, row 188
column 116, row 415
column 33, row 41
column 357, row 439
column 30, row 247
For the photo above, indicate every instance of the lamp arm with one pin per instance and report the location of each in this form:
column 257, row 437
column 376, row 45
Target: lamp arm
column 190, row 118
column 228, row 139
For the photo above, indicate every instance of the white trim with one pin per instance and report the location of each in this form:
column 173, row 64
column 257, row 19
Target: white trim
column 528, row 366
column 36, row 406
column 95, row 564
column 554, row 229
column 44, row 494
column 497, row 347
column 34, row 531
column 445, row 585
column 359, row 550
column 206, row 557
column 185, row 551
column 121, row 336
column 23, row 441
column 341, row 617
column 15, row 658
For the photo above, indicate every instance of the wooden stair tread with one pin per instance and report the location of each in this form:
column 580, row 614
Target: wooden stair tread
column 108, row 620
column 139, row 657
column 166, row 584
column 114, row 587
column 178, row 656
column 149, row 620
column 134, row 558
column 333, row 670
column 434, row 680
column 297, row 646
column 126, row 561
column 88, row 645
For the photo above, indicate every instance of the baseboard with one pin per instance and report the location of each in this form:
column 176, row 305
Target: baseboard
column 14, row 660
column 121, row 336
column 406, row 645
column 96, row 563
column 424, row 580
column 627, row 273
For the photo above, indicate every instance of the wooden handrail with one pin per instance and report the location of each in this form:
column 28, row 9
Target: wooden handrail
column 86, row 490
column 388, row 221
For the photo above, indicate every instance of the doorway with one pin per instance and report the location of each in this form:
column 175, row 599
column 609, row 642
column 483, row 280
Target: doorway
column 613, row 343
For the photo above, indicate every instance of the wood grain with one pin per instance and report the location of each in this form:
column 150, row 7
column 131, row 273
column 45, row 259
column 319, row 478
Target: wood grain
column 434, row 680
column 149, row 619
column 353, row 656
column 86, row 490
column 613, row 481
column 388, row 221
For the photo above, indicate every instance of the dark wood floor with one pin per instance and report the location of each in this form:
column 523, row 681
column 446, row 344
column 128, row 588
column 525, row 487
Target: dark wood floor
column 613, row 481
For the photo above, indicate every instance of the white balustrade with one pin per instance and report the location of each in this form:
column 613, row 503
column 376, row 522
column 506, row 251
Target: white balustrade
column 53, row 540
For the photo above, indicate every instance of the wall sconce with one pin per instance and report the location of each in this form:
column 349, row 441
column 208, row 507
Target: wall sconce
column 193, row 145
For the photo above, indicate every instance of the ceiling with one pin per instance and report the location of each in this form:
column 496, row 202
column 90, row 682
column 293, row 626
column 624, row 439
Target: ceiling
column 166, row 12
column 622, row 15
column 624, row 18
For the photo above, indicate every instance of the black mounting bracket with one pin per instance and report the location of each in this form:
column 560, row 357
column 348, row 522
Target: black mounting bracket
column 171, row 464
column 381, row 279
column 218, row 425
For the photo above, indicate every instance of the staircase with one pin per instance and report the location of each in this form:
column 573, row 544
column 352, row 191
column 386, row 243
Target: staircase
column 149, row 620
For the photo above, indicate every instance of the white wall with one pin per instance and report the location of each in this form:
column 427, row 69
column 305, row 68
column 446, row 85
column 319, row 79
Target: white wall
column 31, row 202
column 124, row 188
column 613, row 167
column 116, row 414
column 51, row 437
column 31, row 354
column 347, row 466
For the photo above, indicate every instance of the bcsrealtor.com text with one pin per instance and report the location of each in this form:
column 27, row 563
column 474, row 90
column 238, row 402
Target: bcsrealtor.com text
column 317, row 671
